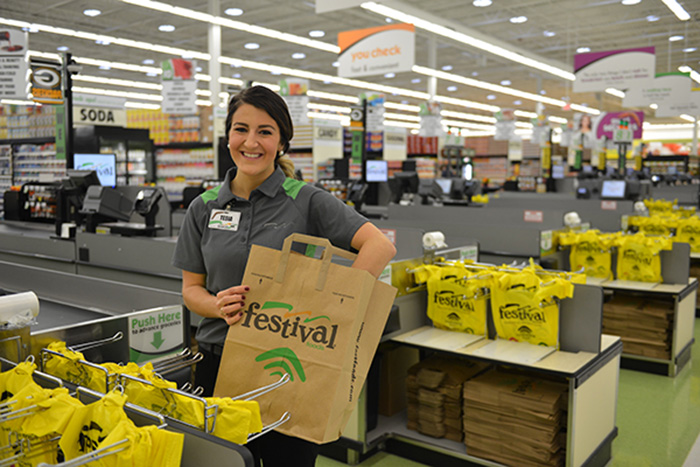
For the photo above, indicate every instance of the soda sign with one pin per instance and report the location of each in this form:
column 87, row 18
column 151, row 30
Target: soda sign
column 97, row 116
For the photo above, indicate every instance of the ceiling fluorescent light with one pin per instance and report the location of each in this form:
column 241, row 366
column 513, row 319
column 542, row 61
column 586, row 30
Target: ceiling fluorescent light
column 415, row 126
column 525, row 114
column 555, row 119
column 466, row 39
column 323, row 77
column 329, row 108
column 466, row 116
column 333, row 97
column 404, row 107
column 114, row 40
column 677, row 9
column 615, row 92
column 141, row 105
column 408, row 118
column 491, row 87
column 473, row 126
column 118, row 82
column 468, row 104
column 694, row 75
column 233, row 24
column 110, row 92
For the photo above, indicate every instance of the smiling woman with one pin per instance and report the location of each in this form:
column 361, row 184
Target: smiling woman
column 259, row 203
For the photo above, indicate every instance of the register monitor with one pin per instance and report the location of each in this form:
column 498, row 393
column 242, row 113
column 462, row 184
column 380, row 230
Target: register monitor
column 613, row 189
column 376, row 171
column 104, row 164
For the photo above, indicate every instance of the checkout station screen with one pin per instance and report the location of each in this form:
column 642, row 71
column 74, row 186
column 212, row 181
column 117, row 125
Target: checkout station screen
column 104, row 164
column 613, row 189
column 377, row 171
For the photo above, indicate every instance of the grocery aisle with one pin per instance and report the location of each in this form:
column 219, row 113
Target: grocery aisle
column 658, row 420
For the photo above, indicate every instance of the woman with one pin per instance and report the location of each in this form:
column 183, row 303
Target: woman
column 261, row 204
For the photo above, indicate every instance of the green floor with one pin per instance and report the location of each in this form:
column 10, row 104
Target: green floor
column 658, row 419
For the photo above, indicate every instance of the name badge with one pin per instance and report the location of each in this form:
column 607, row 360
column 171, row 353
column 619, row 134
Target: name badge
column 224, row 220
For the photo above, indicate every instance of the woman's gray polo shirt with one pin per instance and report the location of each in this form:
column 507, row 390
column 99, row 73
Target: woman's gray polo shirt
column 279, row 207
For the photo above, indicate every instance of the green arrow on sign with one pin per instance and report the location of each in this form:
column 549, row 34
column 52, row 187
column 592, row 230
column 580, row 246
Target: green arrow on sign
column 157, row 340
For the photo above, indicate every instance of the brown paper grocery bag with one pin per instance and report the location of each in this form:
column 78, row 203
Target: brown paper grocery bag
column 319, row 322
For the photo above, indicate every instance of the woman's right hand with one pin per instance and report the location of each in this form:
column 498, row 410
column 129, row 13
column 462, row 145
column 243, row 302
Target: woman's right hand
column 230, row 303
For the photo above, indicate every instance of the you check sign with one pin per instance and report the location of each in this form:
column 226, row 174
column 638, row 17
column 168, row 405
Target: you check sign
column 157, row 332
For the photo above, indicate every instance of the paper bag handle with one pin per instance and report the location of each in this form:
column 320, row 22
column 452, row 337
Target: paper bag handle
column 328, row 252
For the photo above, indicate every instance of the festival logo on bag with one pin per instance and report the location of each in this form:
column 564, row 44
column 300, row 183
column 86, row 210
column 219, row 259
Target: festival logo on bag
column 319, row 335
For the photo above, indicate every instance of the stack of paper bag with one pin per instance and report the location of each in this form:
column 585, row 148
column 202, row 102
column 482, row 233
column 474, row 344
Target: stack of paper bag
column 434, row 395
column 515, row 419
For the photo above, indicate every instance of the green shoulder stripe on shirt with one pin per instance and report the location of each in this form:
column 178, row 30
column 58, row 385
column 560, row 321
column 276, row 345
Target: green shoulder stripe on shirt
column 210, row 195
column 292, row 187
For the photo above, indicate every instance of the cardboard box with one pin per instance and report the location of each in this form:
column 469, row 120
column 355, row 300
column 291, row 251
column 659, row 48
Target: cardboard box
column 394, row 366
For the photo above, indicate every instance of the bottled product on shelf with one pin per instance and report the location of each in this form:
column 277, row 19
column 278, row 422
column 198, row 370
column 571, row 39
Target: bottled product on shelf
column 5, row 171
column 41, row 199
column 36, row 163
column 337, row 188
column 177, row 169
column 23, row 122
column 303, row 161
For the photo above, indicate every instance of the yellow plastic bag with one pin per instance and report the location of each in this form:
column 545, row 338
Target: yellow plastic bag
column 147, row 445
column 638, row 257
column 235, row 420
column 92, row 423
column 688, row 231
column 24, row 397
column 660, row 225
column 456, row 300
column 524, row 309
column 14, row 379
column 53, row 415
column 659, row 205
column 590, row 251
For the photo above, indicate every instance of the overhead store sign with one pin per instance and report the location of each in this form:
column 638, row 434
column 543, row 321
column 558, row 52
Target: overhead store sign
column 376, row 51
column 328, row 133
column 667, row 90
column 179, row 87
column 13, row 64
column 294, row 91
column 97, row 116
column 94, row 100
column 620, row 69
column 46, row 82
column 608, row 122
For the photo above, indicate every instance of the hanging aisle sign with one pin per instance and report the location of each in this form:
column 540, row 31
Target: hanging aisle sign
column 179, row 87
column 324, row 6
column 13, row 64
column 294, row 91
column 620, row 69
column 667, row 90
column 376, row 51
column 608, row 122
column 46, row 82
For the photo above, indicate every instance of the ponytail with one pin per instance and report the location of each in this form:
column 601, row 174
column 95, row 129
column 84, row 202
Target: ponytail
column 285, row 163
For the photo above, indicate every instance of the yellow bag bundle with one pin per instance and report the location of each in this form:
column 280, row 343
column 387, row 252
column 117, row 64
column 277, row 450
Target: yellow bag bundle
column 685, row 212
column 14, row 379
column 659, row 205
column 23, row 397
column 688, row 231
column 660, row 224
column 483, row 199
column 69, row 368
column 523, row 306
column 638, row 257
column 235, row 420
column 456, row 300
column 53, row 415
column 147, row 445
column 590, row 251
column 91, row 424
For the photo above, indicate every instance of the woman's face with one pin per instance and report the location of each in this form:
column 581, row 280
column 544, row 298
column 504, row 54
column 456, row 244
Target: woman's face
column 254, row 141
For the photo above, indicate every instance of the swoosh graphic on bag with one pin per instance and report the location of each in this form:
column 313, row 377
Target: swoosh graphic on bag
column 307, row 320
column 267, row 305
column 286, row 355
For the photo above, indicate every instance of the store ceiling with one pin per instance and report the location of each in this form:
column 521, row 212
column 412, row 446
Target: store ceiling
column 599, row 25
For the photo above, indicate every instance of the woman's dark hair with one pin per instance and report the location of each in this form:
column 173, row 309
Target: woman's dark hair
column 265, row 99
